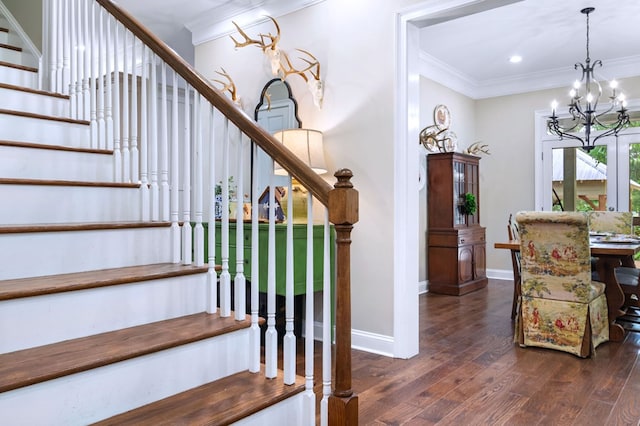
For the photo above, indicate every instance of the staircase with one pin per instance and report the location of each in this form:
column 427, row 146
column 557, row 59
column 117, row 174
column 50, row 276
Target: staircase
column 98, row 323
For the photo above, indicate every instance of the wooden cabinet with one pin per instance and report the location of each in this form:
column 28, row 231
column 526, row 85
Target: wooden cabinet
column 456, row 247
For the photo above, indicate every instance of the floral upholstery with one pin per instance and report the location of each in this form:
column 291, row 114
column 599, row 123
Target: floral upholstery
column 615, row 222
column 560, row 306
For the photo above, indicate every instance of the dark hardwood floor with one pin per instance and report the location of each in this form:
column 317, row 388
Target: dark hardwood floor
column 469, row 372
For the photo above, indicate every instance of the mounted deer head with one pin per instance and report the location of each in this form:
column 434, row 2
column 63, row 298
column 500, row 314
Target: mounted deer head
column 316, row 86
column 229, row 86
column 270, row 49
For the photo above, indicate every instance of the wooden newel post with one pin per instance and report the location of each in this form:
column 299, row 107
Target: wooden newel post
column 343, row 213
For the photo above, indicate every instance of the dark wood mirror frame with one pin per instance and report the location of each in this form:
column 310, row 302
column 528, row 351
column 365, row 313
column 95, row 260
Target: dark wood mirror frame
column 277, row 94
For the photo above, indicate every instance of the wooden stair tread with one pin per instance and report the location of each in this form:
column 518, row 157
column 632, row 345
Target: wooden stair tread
column 80, row 226
column 50, row 284
column 36, row 145
column 11, row 47
column 44, row 117
column 20, row 67
column 58, row 182
column 30, row 366
column 222, row 402
column 35, row 91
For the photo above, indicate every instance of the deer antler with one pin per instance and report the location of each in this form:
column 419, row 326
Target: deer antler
column 315, row 63
column 288, row 69
column 248, row 41
column 230, row 86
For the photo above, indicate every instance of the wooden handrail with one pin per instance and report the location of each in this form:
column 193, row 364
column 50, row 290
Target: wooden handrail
column 296, row 167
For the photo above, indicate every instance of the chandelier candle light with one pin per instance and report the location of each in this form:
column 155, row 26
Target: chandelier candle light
column 583, row 107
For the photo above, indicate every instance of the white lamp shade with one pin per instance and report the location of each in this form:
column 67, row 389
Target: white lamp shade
column 306, row 144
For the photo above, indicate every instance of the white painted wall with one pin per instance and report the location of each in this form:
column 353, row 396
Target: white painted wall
column 29, row 14
column 356, row 51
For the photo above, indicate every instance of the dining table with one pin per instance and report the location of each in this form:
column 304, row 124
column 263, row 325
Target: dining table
column 610, row 254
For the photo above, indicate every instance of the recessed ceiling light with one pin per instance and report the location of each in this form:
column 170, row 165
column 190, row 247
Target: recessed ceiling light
column 515, row 59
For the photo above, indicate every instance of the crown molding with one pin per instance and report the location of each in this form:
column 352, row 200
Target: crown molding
column 452, row 78
column 217, row 23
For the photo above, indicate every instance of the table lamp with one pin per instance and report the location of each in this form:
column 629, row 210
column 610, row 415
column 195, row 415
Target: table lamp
column 307, row 145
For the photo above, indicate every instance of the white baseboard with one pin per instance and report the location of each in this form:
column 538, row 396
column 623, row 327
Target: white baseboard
column 422, row 286
column 372, row 342
column 363, row 341
column 500, row 274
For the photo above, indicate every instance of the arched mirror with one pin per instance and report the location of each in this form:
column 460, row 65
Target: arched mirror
column 277, row 110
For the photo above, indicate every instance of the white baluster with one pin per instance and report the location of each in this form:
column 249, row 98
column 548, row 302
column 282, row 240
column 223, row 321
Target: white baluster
column 271, row 335
column 109, row 74
column 225, row 276
column 153, row 140
column 144, row 140
column 86, row 45
column 326, row 323
column 66, row 47
column 175, row 170
column 79, row 58
column 240, row 282
column 93, row 115
column 310, row 396
column 101, row 75
column 53, row 44
column 164, row 151
column 117, row 97
column 289, row 343
column 198, row 190
column 47, row 52
column 254, row 334
column 73, row 40
column 133, row 138
column 212, row 275
column 60, row 47
column 186, row 183
column 126, row 154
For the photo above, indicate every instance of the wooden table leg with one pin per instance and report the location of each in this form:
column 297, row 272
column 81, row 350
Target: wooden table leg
column 615, row 297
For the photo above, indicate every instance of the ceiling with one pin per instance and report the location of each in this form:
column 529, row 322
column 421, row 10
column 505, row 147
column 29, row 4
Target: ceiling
column 469, row 53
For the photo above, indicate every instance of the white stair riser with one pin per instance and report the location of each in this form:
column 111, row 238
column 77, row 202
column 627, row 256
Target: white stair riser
column 18, row 77
column 291, row 411
column 9, row 38
column 52, row 132
column 84, row 398
column 40, row 320
column 64, row 204
column 34, row 163
column 50, row 253
column 18, row 100
column 11, row 56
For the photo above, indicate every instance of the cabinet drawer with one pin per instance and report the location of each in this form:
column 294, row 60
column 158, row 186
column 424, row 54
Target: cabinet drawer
column 471, row 236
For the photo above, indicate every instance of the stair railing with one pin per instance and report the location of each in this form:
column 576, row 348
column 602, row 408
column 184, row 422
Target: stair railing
column 179, row 137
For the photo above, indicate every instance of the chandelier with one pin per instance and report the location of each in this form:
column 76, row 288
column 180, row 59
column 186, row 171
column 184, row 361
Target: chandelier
column 583, row 107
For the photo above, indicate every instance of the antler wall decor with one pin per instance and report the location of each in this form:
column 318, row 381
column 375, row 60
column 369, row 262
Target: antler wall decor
column 476, row 148
column 228, row 86
column 270, row 49
column 281, row 64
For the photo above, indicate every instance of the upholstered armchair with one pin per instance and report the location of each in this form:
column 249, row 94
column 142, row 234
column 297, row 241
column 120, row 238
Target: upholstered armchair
column 560, row 306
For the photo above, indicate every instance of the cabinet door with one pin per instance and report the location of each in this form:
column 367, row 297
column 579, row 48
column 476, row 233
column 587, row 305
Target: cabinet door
column 472, row 187
column 480, row 260
column 465, row 264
